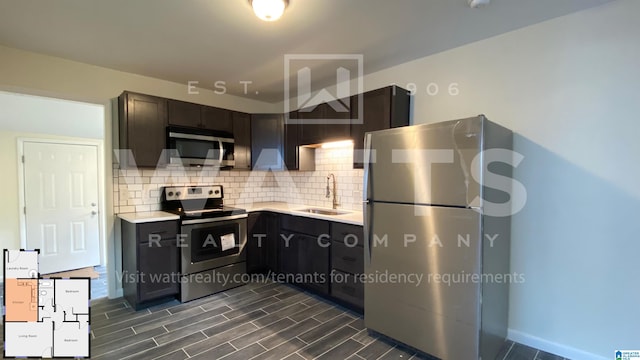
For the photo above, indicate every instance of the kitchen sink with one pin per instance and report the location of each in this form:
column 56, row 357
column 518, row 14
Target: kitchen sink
column 324, row 211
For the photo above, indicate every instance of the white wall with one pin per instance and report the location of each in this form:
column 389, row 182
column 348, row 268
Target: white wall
column 35, row 114
column 570, row 90
column 32, row 73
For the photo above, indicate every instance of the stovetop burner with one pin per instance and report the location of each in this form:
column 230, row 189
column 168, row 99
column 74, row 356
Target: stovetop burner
column 197, row 202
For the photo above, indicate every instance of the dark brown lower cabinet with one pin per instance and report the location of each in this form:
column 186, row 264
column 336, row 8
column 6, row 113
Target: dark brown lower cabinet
column 262, row 242
column 305, row 261
column 150, row 262
column 347, row 264
column 348, row 288
column 324, row 257
column 158, row 264
column 305, row 252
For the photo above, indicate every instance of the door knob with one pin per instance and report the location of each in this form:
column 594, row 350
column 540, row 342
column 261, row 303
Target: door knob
column 94, row 213
column 93, row 204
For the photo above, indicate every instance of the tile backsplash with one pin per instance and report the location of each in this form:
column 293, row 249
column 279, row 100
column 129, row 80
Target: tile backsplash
column 139, row 190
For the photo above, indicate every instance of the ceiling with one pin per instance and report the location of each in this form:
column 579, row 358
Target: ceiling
column 221, row 40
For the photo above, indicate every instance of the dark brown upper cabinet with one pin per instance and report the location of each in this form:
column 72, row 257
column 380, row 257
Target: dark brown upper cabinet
column 143, row 123
column 184, row 113
column 296, row 157
column 214, row 118
column 241, row 123
column 144, row 118
column 382, row 109
column 267, row 133
column 338, row 127
column 326, row 122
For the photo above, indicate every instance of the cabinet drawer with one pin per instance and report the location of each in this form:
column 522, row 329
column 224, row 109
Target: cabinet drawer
column 346, row 258
column 305, row 225
column 347, row 233
column 164, row 229
column 347, row 288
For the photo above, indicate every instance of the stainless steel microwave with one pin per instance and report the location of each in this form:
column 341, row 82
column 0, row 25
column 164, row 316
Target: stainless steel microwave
column 199, row 147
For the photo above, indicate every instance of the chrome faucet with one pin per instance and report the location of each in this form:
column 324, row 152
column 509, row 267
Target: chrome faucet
column 329, row 190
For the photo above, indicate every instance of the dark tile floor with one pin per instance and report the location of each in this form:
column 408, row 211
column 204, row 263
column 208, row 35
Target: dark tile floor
column 256, row 321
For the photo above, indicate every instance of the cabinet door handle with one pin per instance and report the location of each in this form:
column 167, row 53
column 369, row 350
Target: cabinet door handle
column 349, row 258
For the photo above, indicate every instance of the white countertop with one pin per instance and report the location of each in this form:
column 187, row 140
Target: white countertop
column 351, row 217
column 147, row 216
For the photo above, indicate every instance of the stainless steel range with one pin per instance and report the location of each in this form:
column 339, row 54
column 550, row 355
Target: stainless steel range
column 212, row 239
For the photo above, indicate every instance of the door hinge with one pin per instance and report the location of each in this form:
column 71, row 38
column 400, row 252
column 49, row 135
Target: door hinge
column 23, row 159
column 25, row 210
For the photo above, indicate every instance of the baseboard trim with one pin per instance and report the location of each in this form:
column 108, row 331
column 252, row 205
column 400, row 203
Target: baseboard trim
column 552, row 347
column 119, row 294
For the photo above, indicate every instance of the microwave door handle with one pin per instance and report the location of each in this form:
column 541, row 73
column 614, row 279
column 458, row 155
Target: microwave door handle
column 221, row 156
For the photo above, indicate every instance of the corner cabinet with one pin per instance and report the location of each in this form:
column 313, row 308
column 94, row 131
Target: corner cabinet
column 143, row 123
column 267, row 134
column 324, row 257
column 304, row 252
column 384, row 108
column 296, row 157
column 150, row 262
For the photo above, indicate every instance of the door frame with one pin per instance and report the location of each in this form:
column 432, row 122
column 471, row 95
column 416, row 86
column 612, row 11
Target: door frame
column 101, row 186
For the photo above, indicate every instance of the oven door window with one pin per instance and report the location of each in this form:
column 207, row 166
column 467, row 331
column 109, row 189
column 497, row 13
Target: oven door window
column 196, row 149
column 214, row 241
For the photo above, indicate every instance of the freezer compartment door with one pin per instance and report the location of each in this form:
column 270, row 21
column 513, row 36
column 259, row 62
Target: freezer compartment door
column 425, row 164
column 440, row 315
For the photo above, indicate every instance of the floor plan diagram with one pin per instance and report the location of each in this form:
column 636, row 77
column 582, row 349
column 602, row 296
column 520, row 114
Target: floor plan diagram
column 46, row 318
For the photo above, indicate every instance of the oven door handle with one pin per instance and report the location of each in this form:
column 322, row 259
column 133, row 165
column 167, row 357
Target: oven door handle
column 216, row 219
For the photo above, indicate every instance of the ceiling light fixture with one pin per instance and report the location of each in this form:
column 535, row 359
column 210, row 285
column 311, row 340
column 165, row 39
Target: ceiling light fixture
column 269, row 10
column 478, row 3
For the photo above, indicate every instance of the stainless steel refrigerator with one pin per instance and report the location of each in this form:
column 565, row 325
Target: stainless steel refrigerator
column 426, row 189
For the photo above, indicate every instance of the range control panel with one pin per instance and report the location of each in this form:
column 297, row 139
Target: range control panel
column 193, row 192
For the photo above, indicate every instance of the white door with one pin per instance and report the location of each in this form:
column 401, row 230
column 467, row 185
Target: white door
column 61, row 201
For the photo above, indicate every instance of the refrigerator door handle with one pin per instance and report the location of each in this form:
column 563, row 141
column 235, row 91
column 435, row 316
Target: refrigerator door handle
column 366, row 219
column 367, row 167
column 365, row 201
